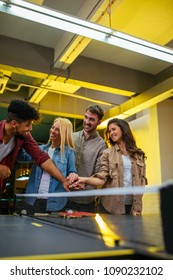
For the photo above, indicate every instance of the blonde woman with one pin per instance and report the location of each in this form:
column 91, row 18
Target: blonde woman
column 60, row 149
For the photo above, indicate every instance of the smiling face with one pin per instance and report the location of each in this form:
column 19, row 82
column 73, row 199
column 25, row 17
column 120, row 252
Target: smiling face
column 21, row 128
column 91, row 121
column 115, row 132
column 55, row 135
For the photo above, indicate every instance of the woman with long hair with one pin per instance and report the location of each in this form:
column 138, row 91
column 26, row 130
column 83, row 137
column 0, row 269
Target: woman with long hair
column 60, row 149
column 122, row 165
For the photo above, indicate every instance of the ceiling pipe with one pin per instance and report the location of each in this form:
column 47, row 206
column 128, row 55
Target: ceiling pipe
column 59, row 92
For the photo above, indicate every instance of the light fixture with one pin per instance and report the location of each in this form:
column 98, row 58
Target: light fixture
column 53, row 18
column 88, row 29
column 24, row 175
column 24, row 171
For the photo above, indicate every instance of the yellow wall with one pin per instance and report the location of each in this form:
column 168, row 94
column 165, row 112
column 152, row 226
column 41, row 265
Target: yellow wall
column 146, row 133
column 165, row 120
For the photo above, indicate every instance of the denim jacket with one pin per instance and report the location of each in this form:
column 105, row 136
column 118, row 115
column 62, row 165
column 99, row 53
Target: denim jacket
column 66, row 165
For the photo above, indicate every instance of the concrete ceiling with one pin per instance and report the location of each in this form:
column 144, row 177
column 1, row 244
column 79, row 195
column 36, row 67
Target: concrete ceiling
column 70, row 72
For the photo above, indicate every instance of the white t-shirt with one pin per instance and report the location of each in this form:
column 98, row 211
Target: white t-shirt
column 127, row 182
column 5, row 149
column 45, row 179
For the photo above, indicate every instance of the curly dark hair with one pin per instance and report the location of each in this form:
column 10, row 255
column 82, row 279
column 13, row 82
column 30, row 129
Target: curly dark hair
column 127, row 137
column 21, row 110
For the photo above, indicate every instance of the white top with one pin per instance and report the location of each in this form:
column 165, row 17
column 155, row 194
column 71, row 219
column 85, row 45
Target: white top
column 127, row 182
column 45, row 179
column 5, row 149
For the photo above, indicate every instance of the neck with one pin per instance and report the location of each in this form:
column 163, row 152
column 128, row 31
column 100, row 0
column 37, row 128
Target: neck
column 88, row 134
column 122, row 147
column 8, row 133
column 55, row 144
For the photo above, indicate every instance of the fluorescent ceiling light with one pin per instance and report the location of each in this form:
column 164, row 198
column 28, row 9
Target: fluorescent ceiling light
column 91, row 30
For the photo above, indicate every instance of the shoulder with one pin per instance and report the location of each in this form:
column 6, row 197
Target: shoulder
column 76, row 133
column 107, row 151
column 110, row 151
column 2, row 124
column 99, row 139
column 68, row 149
column 102, row 143
column 140, row 157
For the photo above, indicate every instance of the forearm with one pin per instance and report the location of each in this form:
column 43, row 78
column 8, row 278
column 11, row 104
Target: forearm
column 94, row 181
column 50, row 167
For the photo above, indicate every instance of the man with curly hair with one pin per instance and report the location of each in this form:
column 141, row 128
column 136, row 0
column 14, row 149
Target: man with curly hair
column 15, row 135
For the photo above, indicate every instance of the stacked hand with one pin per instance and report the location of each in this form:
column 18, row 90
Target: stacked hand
column 76, row 184
column 72, row 183
column 76, row 187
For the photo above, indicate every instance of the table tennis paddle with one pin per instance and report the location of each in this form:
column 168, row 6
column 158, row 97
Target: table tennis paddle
column 76, row 214
column 66, row 214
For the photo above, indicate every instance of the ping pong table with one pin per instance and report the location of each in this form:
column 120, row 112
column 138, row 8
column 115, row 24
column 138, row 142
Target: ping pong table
column 99, row 237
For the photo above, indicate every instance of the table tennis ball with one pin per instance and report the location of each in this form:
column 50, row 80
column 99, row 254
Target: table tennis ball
column 23, row 212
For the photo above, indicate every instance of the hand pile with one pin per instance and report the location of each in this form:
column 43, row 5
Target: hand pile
column 73, row 183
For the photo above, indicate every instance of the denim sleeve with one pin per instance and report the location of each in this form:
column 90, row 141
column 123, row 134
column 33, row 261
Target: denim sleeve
column 71, row 162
